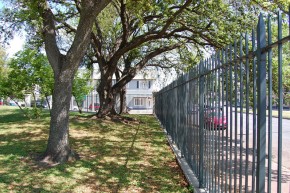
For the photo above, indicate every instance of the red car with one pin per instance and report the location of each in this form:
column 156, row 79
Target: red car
column 96, row 106
column 215, row 120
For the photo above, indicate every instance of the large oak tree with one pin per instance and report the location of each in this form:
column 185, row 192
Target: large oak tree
column 64, row 67
column 163, row 34
column 42, row 19
column 157, row 33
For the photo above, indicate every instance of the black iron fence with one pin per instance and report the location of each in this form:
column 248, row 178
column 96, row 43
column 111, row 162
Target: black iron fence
column 221, row 116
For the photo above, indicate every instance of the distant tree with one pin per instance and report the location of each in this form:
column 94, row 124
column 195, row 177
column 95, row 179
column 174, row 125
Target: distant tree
column 28, row 70
column 81, row 87
column 3, row 70
column 2, row 58
column 12, row 86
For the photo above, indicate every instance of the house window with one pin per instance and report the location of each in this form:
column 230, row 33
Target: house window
column 137, row 83
column 149, row 84
column 143, row 84
column 140, row 101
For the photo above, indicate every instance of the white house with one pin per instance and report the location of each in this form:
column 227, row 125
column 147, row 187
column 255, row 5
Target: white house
column 139, row 93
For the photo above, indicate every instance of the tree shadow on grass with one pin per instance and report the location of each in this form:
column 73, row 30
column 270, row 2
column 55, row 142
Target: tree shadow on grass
column 21, row 144
column 16, row 160
column 114, row 158
column 12, row 118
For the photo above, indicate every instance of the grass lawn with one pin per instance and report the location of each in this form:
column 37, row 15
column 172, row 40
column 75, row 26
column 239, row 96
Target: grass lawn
column 115, row 156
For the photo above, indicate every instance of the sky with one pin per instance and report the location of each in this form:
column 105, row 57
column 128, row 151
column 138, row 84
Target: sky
column 16, row 43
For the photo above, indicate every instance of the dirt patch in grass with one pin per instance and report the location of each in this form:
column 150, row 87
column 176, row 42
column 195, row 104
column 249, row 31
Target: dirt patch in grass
column 128, row 154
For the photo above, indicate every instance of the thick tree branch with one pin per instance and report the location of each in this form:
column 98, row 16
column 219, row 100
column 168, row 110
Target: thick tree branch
column 84, row 29
column 124, row 21
column 129, row 74
column 152, row 35
column 52, row 50
column 161, row 66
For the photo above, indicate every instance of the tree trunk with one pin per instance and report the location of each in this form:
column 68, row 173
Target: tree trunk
column 58, row 148
column 79, row 107
column 48, row 104
column 107, row 99
column 64, row 68
column 123, row 104
column 107, row 94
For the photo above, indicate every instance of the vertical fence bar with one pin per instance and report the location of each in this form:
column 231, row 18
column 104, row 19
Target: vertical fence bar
column 188, row 127
column 216, row 136
column 270, row 93
column 211, row 74
column 261, row 83
column 219, row 162
column 241, row 115
column 280, row 98
column 247, row 113
column 231, row 117
column 214, row 133
column 201, row 124
column 254, row 114
column 223, row 169
column 176, row 111
column 236, row 115
column 185, row 116
column 196, row 117
column 206, row 101
column 227, row 171
column 197, row 120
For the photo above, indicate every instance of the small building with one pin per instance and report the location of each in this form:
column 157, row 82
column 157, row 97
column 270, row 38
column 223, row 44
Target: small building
column 139, row 94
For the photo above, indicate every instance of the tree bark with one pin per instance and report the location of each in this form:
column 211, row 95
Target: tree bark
column 123, row 103
column 107, row 99
column 79, row 107
column 64, row 67
column 58, row 147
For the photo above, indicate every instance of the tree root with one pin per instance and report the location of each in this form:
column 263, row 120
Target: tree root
column 53, row 159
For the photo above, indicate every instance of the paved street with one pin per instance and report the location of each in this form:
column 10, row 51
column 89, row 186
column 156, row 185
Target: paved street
column 229, row 147
column 285, row 147
column 285, row 137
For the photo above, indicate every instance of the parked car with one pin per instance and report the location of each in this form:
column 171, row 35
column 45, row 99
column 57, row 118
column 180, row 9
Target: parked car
column 215, row 120
column 41, row 105
column 96, row 106
column 75, row 108
column 13, row 103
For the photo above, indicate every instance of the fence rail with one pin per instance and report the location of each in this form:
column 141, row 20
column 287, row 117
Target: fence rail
column 219, row 114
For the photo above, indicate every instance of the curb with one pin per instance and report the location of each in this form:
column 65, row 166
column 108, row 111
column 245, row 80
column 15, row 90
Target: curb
column 190, row 176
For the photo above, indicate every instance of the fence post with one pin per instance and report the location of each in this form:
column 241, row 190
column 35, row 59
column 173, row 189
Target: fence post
column 261, row 83
column 280, row 96
column 201, row 123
